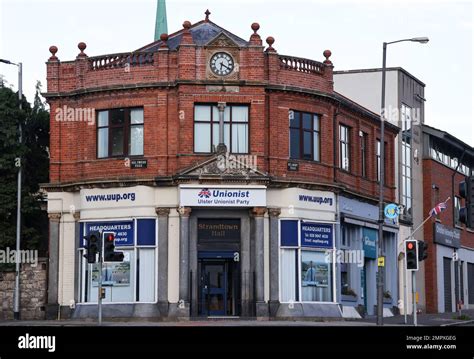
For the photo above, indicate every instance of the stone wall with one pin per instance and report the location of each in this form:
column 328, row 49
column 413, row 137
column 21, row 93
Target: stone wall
column 33, row 289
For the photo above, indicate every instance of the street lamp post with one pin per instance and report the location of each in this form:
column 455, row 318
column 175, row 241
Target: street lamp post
column 16, row 295
column 380, row 270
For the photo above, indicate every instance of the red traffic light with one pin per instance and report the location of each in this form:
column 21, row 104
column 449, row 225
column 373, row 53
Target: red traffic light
column 410, row 245
column 110, row 237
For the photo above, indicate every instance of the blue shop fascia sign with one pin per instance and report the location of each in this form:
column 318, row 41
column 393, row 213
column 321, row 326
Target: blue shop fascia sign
column 369, row 242
column 313, row 235
column 124, row 231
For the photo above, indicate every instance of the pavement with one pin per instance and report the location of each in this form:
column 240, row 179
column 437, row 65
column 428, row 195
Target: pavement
column 437, row 320
column 440, row 319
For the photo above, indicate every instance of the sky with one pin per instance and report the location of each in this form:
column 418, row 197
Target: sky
column 353, row 30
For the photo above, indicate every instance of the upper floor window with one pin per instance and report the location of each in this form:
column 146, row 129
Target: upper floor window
column 363, row 153
column 236, row 128
column 304, row 136
column 120, row 132
column 344, row 147
column 378, row 155
column 457, row 209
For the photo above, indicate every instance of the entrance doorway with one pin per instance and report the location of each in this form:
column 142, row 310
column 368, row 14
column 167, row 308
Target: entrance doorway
column 219, row 284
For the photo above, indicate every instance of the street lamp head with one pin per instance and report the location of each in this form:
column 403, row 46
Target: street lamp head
column 421, row 40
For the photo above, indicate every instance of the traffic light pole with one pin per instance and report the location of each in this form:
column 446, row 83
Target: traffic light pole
column 99, row 302
column 413, row 280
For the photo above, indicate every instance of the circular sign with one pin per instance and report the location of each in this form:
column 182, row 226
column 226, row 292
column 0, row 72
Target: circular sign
column 391, row 211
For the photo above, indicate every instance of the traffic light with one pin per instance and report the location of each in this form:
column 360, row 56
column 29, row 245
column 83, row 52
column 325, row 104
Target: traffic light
column 422, row 251
column 109, row 248
column 411, row 252
column 466, row 191
column 92, row 246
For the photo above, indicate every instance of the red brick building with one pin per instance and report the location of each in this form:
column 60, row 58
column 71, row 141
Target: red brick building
column 446, row 163
column 135, row 135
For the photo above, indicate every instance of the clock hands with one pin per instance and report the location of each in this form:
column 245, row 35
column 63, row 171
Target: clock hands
column 227, row 67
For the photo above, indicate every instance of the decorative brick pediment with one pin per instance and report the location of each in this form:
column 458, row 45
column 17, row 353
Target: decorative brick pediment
column 225, row 165
column 222, row 40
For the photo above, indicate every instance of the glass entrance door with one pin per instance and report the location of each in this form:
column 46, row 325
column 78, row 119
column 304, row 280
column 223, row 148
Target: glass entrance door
column 213, row 287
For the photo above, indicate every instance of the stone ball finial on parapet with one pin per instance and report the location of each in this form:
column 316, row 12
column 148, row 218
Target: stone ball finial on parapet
column 164, row 40
column 255, row 38
column 270, row 41
column 327, row 54
column 82, row 46
column 53, row 50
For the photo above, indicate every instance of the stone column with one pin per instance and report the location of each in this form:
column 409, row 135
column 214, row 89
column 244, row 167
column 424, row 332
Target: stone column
column 77, row 258
column 261, row 307
column 274, row 260
column 183, row 304
column 163, row 304
column 53, row 265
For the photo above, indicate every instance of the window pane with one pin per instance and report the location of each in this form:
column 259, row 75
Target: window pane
column 240, row 114
column 202, row 113
column 307, row 145
column 316, row 146
column 147, row 275
column 316, row 274
column 202, row 137
column 295, row 121
column 215, row 135
column 103, row 118
column 103, row 143
column 288, row 275
column 117, row 117
column 294, row 143
column 135, row 146
column 116, row 135
column 226, row 114
column 307, row 121
column 240, row 138
column 136, row 116
column 316, row 123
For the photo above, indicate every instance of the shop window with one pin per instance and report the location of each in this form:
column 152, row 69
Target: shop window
column 306, row 264
column 289, row 275
column 134, row 279
column 304, row 136
column 120, row 132
column 206, row 128
column 316, row 276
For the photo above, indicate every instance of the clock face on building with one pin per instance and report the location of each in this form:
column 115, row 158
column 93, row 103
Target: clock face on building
column 222, row 64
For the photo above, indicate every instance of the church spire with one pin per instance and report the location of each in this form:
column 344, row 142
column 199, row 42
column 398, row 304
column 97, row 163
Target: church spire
column 161, row 23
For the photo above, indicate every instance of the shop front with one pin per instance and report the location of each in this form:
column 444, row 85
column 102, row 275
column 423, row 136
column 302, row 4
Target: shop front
column 304, row 274
column 357, row 260
column 222, row 255
column 454, row 269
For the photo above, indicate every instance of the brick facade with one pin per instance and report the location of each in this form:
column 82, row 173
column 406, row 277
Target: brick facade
column 437, row 186
column 167, row 84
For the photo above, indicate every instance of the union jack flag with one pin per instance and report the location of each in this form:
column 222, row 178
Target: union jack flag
column 440, row 207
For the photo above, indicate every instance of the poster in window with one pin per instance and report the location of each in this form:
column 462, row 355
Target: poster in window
column 113, row 274
column 315, row 274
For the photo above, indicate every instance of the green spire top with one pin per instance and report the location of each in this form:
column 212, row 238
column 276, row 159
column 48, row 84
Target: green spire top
column 161, row 24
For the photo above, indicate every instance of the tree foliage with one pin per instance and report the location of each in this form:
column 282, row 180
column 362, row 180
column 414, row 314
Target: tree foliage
column 34, row 155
